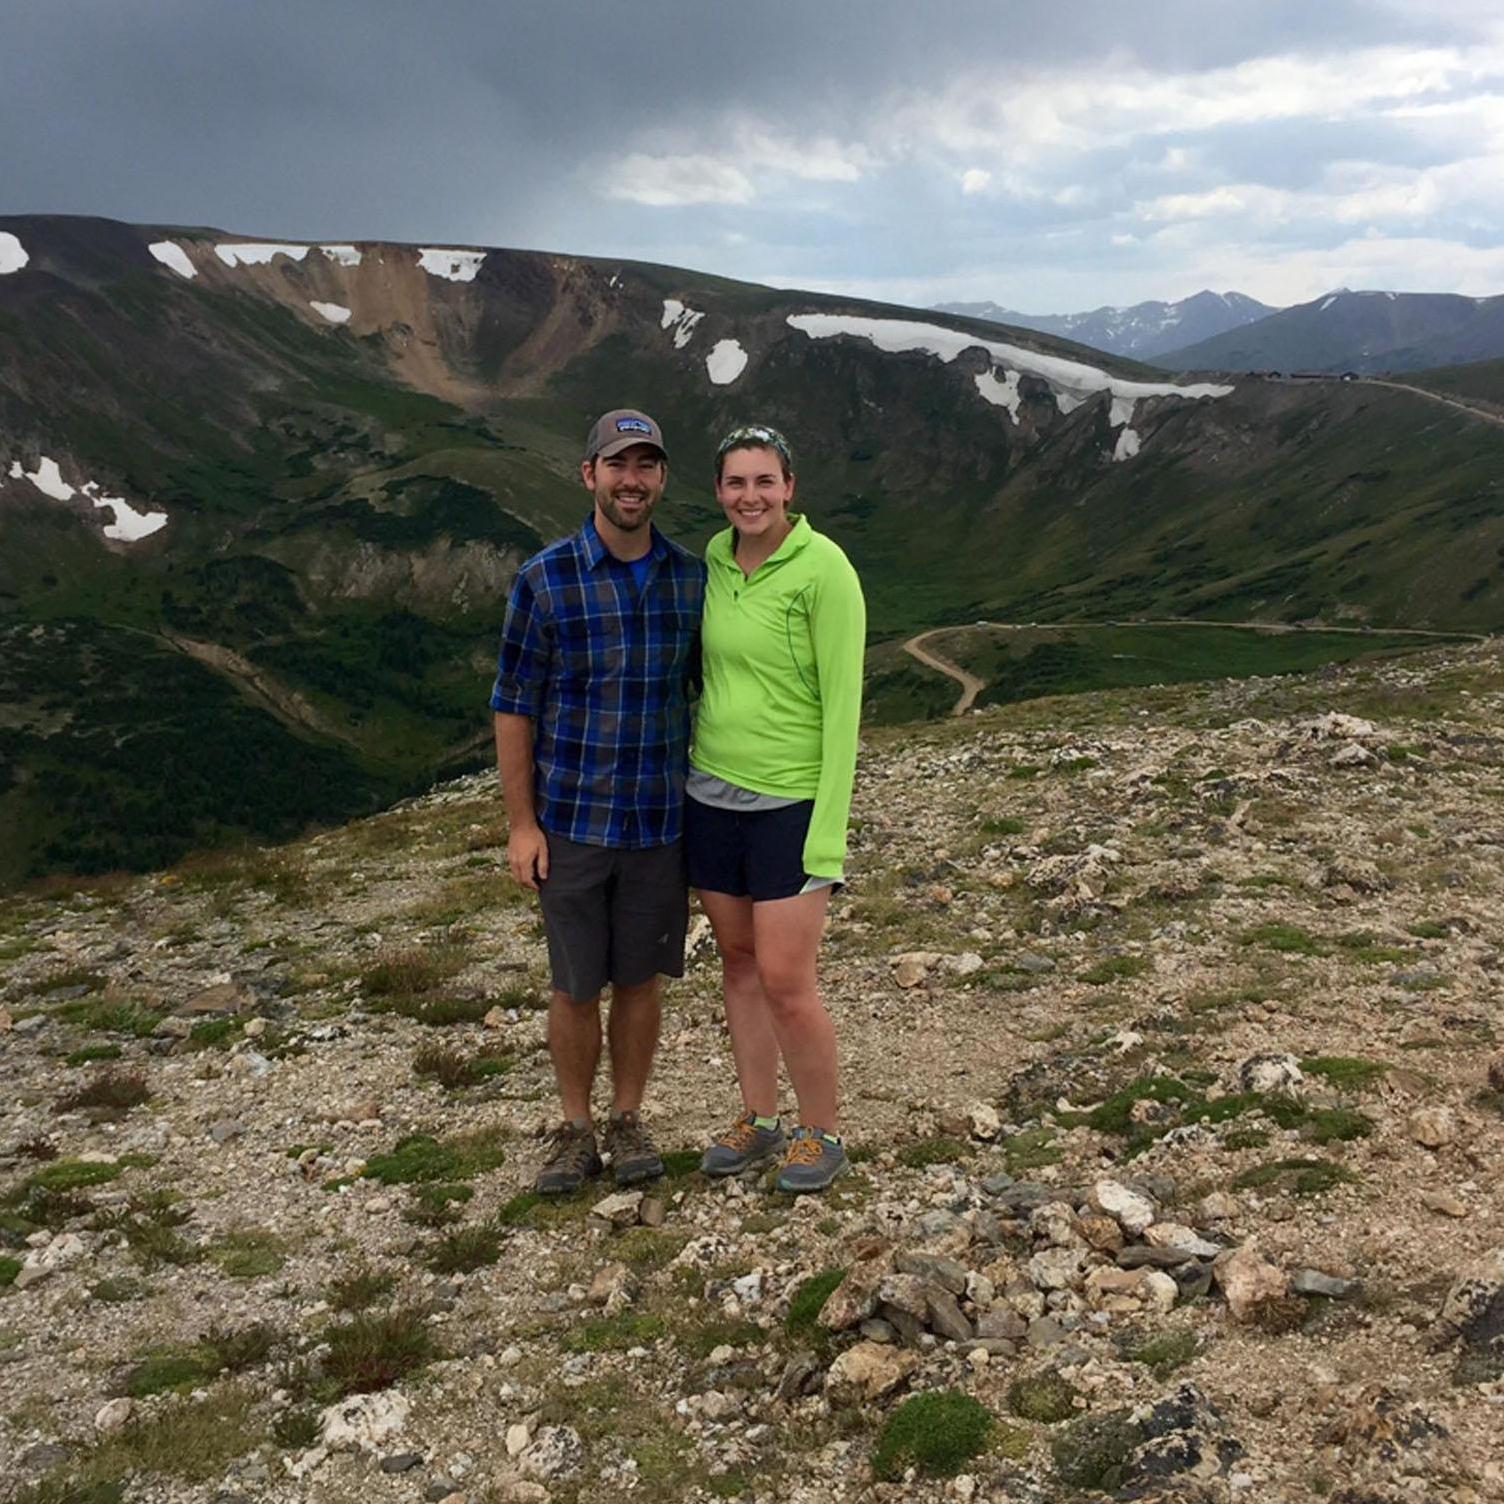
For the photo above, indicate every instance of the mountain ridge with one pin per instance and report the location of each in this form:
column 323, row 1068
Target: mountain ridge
column 1141, row 331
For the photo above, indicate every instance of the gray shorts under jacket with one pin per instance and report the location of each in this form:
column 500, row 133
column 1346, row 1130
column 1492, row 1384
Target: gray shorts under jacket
column 613, row 915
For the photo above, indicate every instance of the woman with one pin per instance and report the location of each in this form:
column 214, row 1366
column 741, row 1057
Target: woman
column 769, row 789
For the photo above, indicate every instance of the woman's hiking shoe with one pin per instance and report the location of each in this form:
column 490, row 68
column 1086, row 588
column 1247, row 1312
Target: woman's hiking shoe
column 634, row 1156
column 814, row 1160
column 741, row 1146
column 571, row 1161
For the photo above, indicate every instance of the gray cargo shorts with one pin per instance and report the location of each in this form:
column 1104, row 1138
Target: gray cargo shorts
column 612, row 915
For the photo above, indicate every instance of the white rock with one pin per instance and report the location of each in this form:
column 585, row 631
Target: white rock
column 621, row 1209
column 1131, row 1210
column 518, row 1439
column 1433, row 1127
column 984, row 1121
column 1057, row 1268
column 556, row 1451
column 113, row 1416
column 1176, row 1235
column 968, row 963
column 364, row 1421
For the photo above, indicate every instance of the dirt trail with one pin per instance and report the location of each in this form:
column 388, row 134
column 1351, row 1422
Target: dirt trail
column 1497, row 419
column 971, row 686
column 286, row 704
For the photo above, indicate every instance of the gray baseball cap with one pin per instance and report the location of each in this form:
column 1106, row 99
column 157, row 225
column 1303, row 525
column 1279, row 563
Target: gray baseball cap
column 620, row 429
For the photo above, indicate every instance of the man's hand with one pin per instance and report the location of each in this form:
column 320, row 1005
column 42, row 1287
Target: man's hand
column 527, row 855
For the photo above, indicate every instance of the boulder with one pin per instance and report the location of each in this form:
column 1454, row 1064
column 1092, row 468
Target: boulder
column 1131, row 1210
column 363, row 1422
column 855, row 1298
column 1254, row 1288
column 866, row 1372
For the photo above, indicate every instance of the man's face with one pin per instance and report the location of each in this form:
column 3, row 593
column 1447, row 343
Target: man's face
column 626, row 486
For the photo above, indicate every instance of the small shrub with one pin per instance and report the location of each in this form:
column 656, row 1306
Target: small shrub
column 453, row 1070
column 109, row 1091
column 162, row 1372
column 420, row 1157
column 91, row 1053
column 438, row 1204
column 117, row 1289
column 72, row 1175
column 1007, row 825
column 1336, row 1125
column 614, row 1334
column 149, row 1224
column 443, row 1011
column 465, row 1250
column 358, row 1290
column 101, row 1016
column 1164, row 1352
column 248, row 1254
column 372, row 1351
column 933, row 1151
column 1306, row 1177
column 411, row 972
column 1094, row 1452
column 1115, row 969
column 1349, row 1072
column 234, row 1351
column 212, row 1034
column 1289, row 938
column 807, row 1301
column 1046, row 1398
column 296, row 1430
column 9, row 1269
column 938, row 1433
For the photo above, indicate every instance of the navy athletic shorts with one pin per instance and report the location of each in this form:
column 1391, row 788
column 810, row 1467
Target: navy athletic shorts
column 756, row 854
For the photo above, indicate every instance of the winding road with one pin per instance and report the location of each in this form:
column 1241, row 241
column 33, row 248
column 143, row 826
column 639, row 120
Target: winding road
column 970, row 684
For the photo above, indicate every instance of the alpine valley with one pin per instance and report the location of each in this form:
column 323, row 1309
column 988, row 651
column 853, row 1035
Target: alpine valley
column 260, row 502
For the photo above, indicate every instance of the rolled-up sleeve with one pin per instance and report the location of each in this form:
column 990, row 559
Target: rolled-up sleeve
column 522, row 664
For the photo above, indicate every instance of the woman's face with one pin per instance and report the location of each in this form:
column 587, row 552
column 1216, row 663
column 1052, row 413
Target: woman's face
column 753, row 492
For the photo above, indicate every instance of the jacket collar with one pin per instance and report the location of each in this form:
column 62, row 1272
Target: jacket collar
column 720, row 547
column 593, row 548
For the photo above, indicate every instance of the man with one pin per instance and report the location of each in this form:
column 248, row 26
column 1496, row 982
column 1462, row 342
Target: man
column 591, row 707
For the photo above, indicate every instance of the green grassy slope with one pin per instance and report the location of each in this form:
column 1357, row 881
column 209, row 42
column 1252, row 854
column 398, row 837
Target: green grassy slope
column 331, row 580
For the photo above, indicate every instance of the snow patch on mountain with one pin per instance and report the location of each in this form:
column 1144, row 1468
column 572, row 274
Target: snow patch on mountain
column 681, row 319
column 1004, row 393
column 342, row 255
column 173, row 256
column 257, row 252
column 47, row 478
column 336, row 313
column 129, row 524
column 1071, row 381
column 453, row 266
column 1127, row 445
column 726, row 362
column 12, row 254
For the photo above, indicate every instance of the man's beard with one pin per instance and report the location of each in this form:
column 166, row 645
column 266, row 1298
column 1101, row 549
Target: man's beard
column 610, row 512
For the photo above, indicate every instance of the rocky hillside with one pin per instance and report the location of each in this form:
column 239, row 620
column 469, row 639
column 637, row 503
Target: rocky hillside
column 259, row 502
column 1172, row 1077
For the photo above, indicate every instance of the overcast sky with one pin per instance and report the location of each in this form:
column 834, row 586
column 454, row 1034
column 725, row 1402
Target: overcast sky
column 1050, row 157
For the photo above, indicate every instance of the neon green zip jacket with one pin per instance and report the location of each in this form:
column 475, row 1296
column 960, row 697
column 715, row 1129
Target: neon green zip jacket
column 783, row 680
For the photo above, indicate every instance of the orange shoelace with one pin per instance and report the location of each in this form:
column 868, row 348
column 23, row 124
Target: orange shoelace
column 806, row 1150
column 742, row 1134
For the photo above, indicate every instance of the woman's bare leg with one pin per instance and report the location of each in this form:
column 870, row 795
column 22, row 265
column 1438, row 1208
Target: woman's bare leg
column 754, row 1046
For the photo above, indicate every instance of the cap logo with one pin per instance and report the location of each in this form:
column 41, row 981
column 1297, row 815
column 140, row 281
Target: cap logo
column 633, row 425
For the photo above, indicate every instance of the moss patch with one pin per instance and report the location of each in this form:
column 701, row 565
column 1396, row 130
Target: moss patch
column 1047, row 1398
column 1094, row 1452
column 806, row 1303
column 937, row 1433
column 420, row 1157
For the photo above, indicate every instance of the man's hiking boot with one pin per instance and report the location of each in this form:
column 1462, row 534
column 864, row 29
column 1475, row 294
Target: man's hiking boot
column 741, row 1146
column 814, row 1160
column 633, row 1155
column 572, row 1160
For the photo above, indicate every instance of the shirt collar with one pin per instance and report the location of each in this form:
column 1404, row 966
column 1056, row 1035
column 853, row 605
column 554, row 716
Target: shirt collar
column 593, row 549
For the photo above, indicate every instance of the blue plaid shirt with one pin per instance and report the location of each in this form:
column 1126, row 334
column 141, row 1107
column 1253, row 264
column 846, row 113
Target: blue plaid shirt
column 604, row 673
